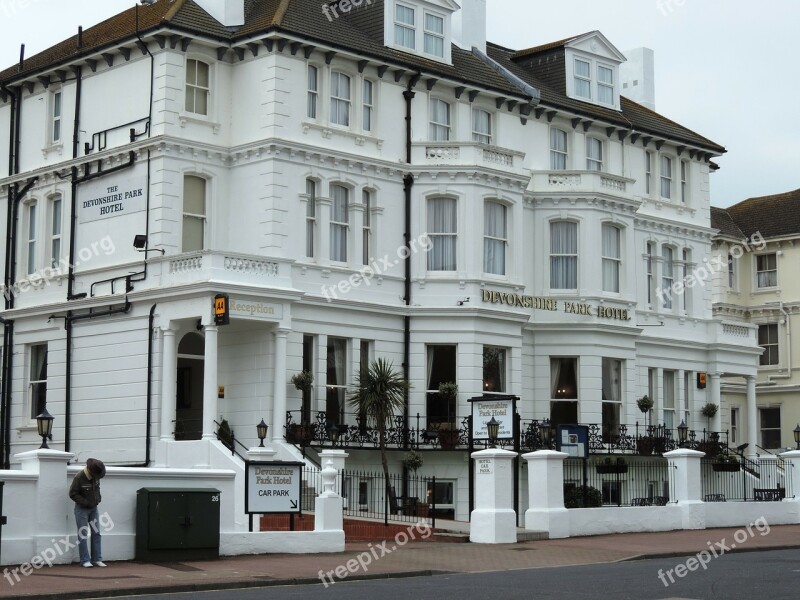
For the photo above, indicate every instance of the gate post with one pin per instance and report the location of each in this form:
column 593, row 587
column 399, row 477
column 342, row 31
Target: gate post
column 494, row 520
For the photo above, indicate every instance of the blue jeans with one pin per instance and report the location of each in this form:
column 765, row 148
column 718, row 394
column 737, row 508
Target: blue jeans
column 86, row 519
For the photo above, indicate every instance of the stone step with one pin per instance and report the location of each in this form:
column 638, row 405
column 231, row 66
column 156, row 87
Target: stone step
column 524, row 535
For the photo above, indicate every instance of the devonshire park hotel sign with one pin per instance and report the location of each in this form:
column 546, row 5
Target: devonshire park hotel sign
column 550, row 304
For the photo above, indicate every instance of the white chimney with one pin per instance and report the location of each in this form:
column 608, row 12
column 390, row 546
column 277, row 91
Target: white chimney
column 469, row 25
column 638, row 77
column 228, row 12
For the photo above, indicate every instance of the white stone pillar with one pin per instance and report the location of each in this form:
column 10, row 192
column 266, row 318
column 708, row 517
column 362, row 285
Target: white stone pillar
column 688, row 487
column 494, row 520
column 715, row 395
column 793, row 458
column 337, row 458
column 546, row 510
column 328, row 514
column 169, row 375
column 752, row 417
column 279, row 389
column 210, row 383
column 50, row 500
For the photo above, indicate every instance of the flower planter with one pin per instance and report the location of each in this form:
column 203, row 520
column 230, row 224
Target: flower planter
column 448, row 438
column 300, row 434
column 726, row 467
column 645, row 446
column 612, row 469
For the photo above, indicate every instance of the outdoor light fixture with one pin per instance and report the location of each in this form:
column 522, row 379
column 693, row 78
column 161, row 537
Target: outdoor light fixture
column 140, row 243
column 493, row 427
column 44, row 423
column 546, row 432
column 683, row 430
column 797, row 436
column 262, row 429
column 333, row 432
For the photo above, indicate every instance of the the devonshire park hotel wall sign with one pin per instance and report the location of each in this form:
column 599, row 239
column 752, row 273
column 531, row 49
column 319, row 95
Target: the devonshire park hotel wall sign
column 553, row 305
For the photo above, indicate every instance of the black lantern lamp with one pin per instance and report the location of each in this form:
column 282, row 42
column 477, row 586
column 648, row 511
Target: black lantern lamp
column 546, row 433
column 493, row 427
column 261, row 430
column 44, row 423
column 683, row 431
column 333, row 432
column 797, row 436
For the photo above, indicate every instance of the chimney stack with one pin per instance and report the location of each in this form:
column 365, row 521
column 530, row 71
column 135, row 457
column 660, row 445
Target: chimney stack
column 469, row 25
column 638, row 77
column 228, row 12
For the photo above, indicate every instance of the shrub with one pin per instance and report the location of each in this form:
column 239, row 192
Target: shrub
column 573, row 497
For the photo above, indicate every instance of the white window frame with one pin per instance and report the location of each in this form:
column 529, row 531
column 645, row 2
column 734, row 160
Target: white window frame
column 762, row 428
column 582, row 78
column 32, row 237
column 608, row 259
column 366, row 229
column 594, row 163
column 33, row 410
column 650, row 259
column 367, row 105
column 196, row 88
column 481, row 137
column 601, row 85
column 667, row 277
column 668, row 407
column 341, row 102
column 56, row 227
column 648, row 172
column 312, row 99
column 666, row 176
column 433, row 35
column 311, row 218
column 733, row 276
column 686, row 262
column 556, row 153
column 436, row 127
column 343, row 225
column 734, row 424
column 436, row 236
column 572, row 255
column 203, row 218
column 765, row 271
column 494, row 240
column 684, row 181
column 405, row 26
column 503, row 352
column 56, row 117
column 769, row 344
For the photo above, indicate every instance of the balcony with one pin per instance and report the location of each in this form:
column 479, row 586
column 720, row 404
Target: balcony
column 467, row 154
column 735, row 333
column 226, row 267
column 583, row 183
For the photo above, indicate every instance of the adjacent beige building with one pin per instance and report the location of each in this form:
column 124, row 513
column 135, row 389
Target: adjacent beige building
column 756, row 266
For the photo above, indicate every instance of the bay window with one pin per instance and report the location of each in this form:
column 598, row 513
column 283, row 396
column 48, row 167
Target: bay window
column 494, row 370
column 558, row 149
column 340, row 222
column 612, row 258
column 194, row 214
column 666, row 177
column 440, row 121
column 495, row 238
column 443, row 234
column 441, row 368
column 481, row 126
column 336, row 380
column 340, row 99
column 563, row 255
column 667, row 276
column 594, row 154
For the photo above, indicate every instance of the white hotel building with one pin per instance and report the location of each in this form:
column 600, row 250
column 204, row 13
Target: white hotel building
column 269, row 152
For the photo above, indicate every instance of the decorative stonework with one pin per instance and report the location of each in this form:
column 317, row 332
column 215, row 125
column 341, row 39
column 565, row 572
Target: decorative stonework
column 251, row 266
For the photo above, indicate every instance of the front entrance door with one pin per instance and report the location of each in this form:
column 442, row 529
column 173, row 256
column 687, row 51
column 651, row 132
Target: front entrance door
column 189, row 400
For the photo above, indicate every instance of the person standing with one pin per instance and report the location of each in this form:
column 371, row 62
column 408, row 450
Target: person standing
column 85, row 493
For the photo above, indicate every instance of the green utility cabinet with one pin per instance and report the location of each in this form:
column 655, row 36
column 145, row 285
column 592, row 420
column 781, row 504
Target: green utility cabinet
column 177, row 524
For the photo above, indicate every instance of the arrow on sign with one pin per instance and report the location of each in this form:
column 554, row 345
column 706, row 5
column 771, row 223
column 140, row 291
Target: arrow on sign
column 292, row 503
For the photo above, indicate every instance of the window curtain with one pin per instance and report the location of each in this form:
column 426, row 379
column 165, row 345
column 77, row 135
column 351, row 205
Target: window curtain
column 311, row 215
column 594, row 154
column 668, row 275
column 481, row 126
column 611, row 256
column 612, row 371
column 558, row 150
column 494, row 243
column 501, row 370
column 555, row 376
column 563, row 255
column 442, row 227
column 440, row 121
column 312, row 92
column 339, row 223
column 340, row 99
column 430, row 368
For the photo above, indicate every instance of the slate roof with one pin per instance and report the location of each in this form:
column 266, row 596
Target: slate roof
column 771, row 216
column 721, row 220
column 362, row 31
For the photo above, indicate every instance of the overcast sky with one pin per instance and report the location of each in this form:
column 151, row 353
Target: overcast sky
column 727, row 69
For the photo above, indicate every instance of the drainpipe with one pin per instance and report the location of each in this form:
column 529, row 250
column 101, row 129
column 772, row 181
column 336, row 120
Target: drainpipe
column 74, row 194
column 408, row 185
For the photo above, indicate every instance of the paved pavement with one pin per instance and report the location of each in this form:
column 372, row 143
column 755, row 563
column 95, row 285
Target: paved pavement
column 413, row 559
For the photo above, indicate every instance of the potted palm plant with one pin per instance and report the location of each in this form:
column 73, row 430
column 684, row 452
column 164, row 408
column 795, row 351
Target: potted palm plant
column 645, row 444
column 709, row 411
column 303, row 380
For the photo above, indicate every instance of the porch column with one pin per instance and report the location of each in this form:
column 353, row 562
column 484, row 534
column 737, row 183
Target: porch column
column 714, row 397
column 210, row 383
column 279, row 390
column 752, row 417
column 169, row 374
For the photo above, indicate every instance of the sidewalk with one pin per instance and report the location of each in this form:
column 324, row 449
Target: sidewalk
column 414, row 559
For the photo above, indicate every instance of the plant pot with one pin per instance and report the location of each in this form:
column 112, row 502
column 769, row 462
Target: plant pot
column 645, row 446
column 448, row 438
column 726, row 467
column 300, row 434
column 612, row 468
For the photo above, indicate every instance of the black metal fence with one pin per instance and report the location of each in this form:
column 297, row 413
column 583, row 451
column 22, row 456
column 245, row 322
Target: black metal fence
column 739, row 479
column 616, row 481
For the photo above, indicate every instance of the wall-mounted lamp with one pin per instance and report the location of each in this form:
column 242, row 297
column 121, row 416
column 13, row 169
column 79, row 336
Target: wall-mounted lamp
column 140, row 243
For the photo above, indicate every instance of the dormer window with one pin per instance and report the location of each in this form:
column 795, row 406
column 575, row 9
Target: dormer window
column 434, row 35
column 592, row 70
column 404, row 26
column 605, row 85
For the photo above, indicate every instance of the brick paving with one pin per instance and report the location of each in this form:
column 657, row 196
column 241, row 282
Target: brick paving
column 73, row 581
